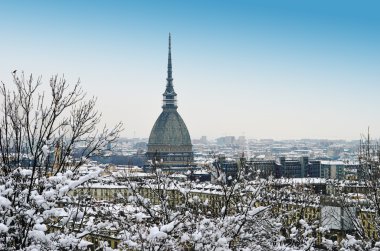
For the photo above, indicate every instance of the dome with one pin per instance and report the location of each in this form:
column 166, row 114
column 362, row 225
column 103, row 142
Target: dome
column 170, row 131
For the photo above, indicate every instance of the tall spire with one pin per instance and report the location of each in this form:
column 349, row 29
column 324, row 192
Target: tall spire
column 170, row 99
column 170, row 78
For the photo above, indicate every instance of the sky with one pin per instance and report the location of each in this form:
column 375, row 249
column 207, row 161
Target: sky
column 286, row 69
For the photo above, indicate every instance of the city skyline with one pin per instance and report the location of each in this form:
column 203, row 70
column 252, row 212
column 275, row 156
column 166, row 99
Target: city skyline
column 260, row 69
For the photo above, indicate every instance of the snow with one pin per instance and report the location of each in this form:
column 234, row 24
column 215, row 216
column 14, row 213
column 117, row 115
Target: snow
column 26, row 172
column 38, row 235
column 332, row 162
column 4, row 202
column 39, row 199
column 74, row 183
column 156, row 233
column 351, row 240
column 197, row 236
column 3, row 228
column 55, row 212
column 68, row 241
column 167, row 228
column 185, row 237
column 40, row 227
column 222, row 241
column 84, row 244
column 256, row 210
column 201, row 172
column 300, row 181
column 140, row 216
column 45, row 150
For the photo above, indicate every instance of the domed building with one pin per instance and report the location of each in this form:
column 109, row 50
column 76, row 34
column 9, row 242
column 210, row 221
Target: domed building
column 169, row 139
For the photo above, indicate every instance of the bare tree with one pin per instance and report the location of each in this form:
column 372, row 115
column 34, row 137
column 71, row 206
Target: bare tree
column 40, row 132
column 359, row 201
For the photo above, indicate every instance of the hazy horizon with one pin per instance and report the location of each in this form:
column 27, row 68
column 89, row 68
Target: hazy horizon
column 247, row 138
column 262, row 69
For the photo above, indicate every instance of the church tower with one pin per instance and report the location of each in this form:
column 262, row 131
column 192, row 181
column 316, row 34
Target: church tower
column 169, row 139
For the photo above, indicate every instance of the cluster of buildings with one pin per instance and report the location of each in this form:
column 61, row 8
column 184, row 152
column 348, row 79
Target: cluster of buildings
column 304, row 167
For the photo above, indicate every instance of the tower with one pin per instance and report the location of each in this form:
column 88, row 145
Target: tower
column 169, row 139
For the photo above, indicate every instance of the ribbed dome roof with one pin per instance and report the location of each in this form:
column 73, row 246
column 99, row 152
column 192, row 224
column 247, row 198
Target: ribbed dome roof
column 170, row 130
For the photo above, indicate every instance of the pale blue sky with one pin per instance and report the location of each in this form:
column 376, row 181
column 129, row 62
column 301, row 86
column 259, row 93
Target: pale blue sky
column 268, row 69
